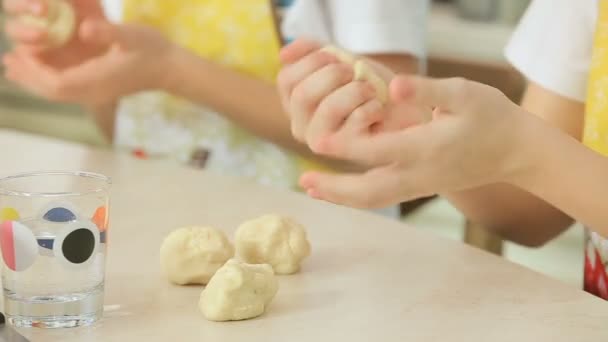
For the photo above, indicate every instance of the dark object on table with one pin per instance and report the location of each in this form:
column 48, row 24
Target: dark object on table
column 199, row 158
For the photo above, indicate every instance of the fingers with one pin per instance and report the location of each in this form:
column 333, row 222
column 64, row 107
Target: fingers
column 104, row 33
column 451, row 94
column 334, row 110
column 24, row 70
column 25, row 34
column 309, row 93
column 406, row 147
column 27, row 37
column 297, row 50
column 405, row 115
column 56, row 85
column 374, row 189
column 364, row 117
column 18, row 7
column 293, row 74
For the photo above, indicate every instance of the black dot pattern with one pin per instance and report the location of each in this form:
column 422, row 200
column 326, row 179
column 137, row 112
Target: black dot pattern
column 78, row 246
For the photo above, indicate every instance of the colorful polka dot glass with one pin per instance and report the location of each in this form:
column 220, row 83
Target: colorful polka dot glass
column 53, row 236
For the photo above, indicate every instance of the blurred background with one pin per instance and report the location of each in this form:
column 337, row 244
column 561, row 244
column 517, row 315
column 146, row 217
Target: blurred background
column 465, row 38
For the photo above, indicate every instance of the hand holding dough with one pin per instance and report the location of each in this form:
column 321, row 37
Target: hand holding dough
column 59, row 23
column 238, row 291
column 274, row 240
column 362, row 70
column 192, row 255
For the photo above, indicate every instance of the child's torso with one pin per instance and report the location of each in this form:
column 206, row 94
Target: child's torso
column 238, row 34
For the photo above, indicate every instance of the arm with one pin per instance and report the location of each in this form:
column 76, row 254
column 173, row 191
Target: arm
column 568, row 175
column 513, row 213
column 249, row 102
column 505, row 209
column 104, row 117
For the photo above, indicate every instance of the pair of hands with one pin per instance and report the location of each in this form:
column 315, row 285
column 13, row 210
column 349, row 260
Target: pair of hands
column 475, row 137
column 100, row 64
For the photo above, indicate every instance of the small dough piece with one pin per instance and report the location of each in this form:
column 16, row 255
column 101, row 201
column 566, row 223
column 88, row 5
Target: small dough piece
column 60, row 22
column 238, row 291
column 274, row 240
column 342, row 55
column 192, row 255
column 362, row 70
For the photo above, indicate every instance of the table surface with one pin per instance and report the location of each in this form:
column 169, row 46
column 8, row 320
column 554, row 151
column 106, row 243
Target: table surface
column 368, row 278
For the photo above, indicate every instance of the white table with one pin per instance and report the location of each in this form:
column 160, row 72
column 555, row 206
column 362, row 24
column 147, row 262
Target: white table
column 368, row 279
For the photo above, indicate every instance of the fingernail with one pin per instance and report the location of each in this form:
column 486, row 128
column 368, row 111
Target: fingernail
column 307, row 181
column 321, row 145
column 314, row 193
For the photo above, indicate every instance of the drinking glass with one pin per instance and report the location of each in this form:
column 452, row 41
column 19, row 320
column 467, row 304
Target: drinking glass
column 53, row 235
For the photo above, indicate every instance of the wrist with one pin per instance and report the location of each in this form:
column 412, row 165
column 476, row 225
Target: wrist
column 171, row 69
column 534, row 140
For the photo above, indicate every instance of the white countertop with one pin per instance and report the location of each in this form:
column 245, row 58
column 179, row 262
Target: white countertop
column 368, row 278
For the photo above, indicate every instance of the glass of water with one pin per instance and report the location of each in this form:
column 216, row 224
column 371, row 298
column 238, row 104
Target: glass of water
column 53, row 234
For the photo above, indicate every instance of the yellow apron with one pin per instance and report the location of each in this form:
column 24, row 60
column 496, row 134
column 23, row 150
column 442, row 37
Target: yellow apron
column 235, row 33
column 596, row 137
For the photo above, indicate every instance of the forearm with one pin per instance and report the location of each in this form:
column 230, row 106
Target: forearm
column 513, row 213
column 249, row 102
column 571, row 177
column 510, row 211
column 104, row 117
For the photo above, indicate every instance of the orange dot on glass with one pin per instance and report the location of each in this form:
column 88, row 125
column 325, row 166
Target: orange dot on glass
column 100, row 218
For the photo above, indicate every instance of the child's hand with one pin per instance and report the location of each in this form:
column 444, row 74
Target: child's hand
column 320, row 95
column 36, row 41
column 133, row 58
column 478, row 137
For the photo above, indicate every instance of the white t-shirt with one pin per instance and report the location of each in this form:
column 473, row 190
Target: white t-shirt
column 361, row 26
column 553, row 43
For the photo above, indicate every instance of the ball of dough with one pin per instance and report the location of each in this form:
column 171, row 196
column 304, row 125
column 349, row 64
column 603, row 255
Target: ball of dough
column 362, row 70
column 238, row 291
column 191, row 255
column 60, row 22
column 274, row 240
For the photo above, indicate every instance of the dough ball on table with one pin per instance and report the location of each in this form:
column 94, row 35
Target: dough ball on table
column 238, row 291
column 191, row 255
column 274, row 240
column 60, row 22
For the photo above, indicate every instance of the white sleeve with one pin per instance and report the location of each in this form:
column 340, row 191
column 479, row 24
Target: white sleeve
column 112, row 9
column 362, row 26
column 553, row 43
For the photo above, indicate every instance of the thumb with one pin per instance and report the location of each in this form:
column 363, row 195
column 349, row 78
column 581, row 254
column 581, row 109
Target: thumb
column 449, row 94
column 102, row 32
